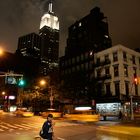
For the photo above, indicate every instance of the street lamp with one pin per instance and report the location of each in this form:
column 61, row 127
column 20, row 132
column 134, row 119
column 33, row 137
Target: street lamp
column 43, row 83
column 3, row 97
column 1, row 52
column 3, row 93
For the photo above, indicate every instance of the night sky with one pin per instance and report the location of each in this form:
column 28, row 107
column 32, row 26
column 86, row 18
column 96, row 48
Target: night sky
column 20, row 17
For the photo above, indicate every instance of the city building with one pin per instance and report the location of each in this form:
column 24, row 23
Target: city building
column 109, row 77
column 86, row 37
column 29, row 45
column 45, row 45
column 49, row 33
column 89, row 33
column 123, row 70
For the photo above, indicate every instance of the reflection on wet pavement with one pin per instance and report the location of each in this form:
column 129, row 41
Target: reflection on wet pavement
column 101, row 136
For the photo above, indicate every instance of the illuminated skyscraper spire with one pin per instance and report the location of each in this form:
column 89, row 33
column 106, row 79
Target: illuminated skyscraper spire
column 50, row 7
column 49, row 19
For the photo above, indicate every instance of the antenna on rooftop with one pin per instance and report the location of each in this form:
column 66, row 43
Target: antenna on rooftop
column 50, row 6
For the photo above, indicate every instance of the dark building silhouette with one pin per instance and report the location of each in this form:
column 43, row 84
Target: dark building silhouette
column 29, row 45
column 89, row 33
column 85, row 37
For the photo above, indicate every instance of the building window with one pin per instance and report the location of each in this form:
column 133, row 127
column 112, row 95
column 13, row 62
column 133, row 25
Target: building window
column 80, row 24
column 82, row 56
column 124, row 56
column 98, row 72
column 90, row 64
column 86, row 66
column 135, row 72
column 82, row 66
column 106, row 58
column 116, row 71
column 100, row 89
column 78, row 67
column 78, row 58
column 133, row 59
column 73, row 60
column 126, row 71
column 117, row 88
column 69, row 61
column 108, row 91
column 127, row 89
column 73, row 69
column 86, row 55
column 136, row 89
column 115, row 56
column 98, row 60
column 107, row 71
column 91, row 53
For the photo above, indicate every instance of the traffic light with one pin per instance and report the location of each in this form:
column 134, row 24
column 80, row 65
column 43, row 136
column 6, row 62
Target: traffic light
column 135, row 81
column 21, row 83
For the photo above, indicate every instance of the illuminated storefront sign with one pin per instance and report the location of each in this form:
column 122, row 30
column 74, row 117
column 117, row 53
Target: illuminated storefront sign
column 108, row 108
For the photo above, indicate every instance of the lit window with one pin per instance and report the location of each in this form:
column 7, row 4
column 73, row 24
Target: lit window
column 91, row 53
column 80, row 24
column 106, row 36
column 126, row 71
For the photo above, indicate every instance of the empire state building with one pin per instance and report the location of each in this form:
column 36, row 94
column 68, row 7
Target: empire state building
column 49, row 33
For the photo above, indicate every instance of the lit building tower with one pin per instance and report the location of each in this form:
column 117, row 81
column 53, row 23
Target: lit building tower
column 49, row 33
column 29, row 45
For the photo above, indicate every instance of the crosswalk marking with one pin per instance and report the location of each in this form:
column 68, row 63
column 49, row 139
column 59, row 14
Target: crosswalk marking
column 12, row 126
column 31, row 125
column 19, row 125
column 5, row 126
column 1, row 130
column 2, row 126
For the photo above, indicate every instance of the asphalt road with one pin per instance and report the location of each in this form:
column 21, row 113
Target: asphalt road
column 19, row 128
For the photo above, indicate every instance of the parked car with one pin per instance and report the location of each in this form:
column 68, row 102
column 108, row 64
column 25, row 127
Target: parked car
column 23, row 112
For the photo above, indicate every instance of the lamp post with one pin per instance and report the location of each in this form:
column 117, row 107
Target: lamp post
column 3, row 96
column 51, row 98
